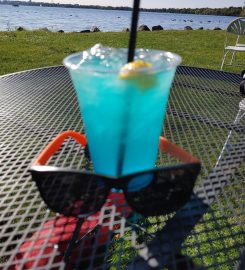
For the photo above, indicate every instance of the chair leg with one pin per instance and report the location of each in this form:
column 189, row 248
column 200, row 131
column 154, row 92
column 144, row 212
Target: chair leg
column 223, row 61
column 239, row 116
column 233, row 58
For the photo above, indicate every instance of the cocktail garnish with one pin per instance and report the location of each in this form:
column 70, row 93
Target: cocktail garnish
column 132, row 69
column 133, row 72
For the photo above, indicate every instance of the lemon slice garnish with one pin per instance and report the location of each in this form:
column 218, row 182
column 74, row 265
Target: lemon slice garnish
column 133, row 69
column 136, row 73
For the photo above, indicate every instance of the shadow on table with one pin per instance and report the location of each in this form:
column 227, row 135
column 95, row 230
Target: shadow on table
column 161, row 249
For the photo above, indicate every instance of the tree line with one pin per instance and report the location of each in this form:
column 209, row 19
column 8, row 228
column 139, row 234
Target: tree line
column 230, row 11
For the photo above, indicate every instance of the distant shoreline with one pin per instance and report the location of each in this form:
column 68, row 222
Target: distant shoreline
column 230, row 11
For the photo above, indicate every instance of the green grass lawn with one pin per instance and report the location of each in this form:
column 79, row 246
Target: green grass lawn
column 23, row 50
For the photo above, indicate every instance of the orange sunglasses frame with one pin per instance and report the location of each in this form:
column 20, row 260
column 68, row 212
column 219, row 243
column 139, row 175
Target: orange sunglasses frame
column 57, row 142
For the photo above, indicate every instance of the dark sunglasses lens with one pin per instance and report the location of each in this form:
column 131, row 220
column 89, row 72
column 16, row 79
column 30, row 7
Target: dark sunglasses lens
column 168, row 191
column 71, row 194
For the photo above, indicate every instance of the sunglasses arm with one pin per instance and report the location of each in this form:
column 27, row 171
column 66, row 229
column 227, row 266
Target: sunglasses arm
column 176, row 151
column 55, row 145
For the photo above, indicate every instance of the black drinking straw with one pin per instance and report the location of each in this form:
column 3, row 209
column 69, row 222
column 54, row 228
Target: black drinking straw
column 133, row 31
column 131, row 52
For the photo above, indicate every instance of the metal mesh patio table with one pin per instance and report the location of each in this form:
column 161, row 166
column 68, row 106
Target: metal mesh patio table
column 207, row 233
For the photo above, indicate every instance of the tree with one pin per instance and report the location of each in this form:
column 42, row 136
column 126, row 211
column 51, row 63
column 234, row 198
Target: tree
column 242, row 14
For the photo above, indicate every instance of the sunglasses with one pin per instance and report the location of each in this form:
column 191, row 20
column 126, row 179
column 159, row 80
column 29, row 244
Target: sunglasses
column 82, row 193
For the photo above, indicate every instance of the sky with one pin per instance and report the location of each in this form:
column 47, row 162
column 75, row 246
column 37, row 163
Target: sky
column 156, row 3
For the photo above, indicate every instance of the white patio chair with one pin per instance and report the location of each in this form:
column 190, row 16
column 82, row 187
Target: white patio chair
column 236, row 27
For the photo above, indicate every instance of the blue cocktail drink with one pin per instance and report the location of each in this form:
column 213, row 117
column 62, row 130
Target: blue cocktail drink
column 122, row 108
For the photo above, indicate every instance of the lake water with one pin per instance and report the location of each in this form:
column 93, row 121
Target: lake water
column 77, row 19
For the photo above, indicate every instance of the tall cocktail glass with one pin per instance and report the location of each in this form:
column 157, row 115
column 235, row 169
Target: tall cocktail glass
column 122, row 112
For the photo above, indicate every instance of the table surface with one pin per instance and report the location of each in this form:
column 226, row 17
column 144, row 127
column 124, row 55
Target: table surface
column 207, row 233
